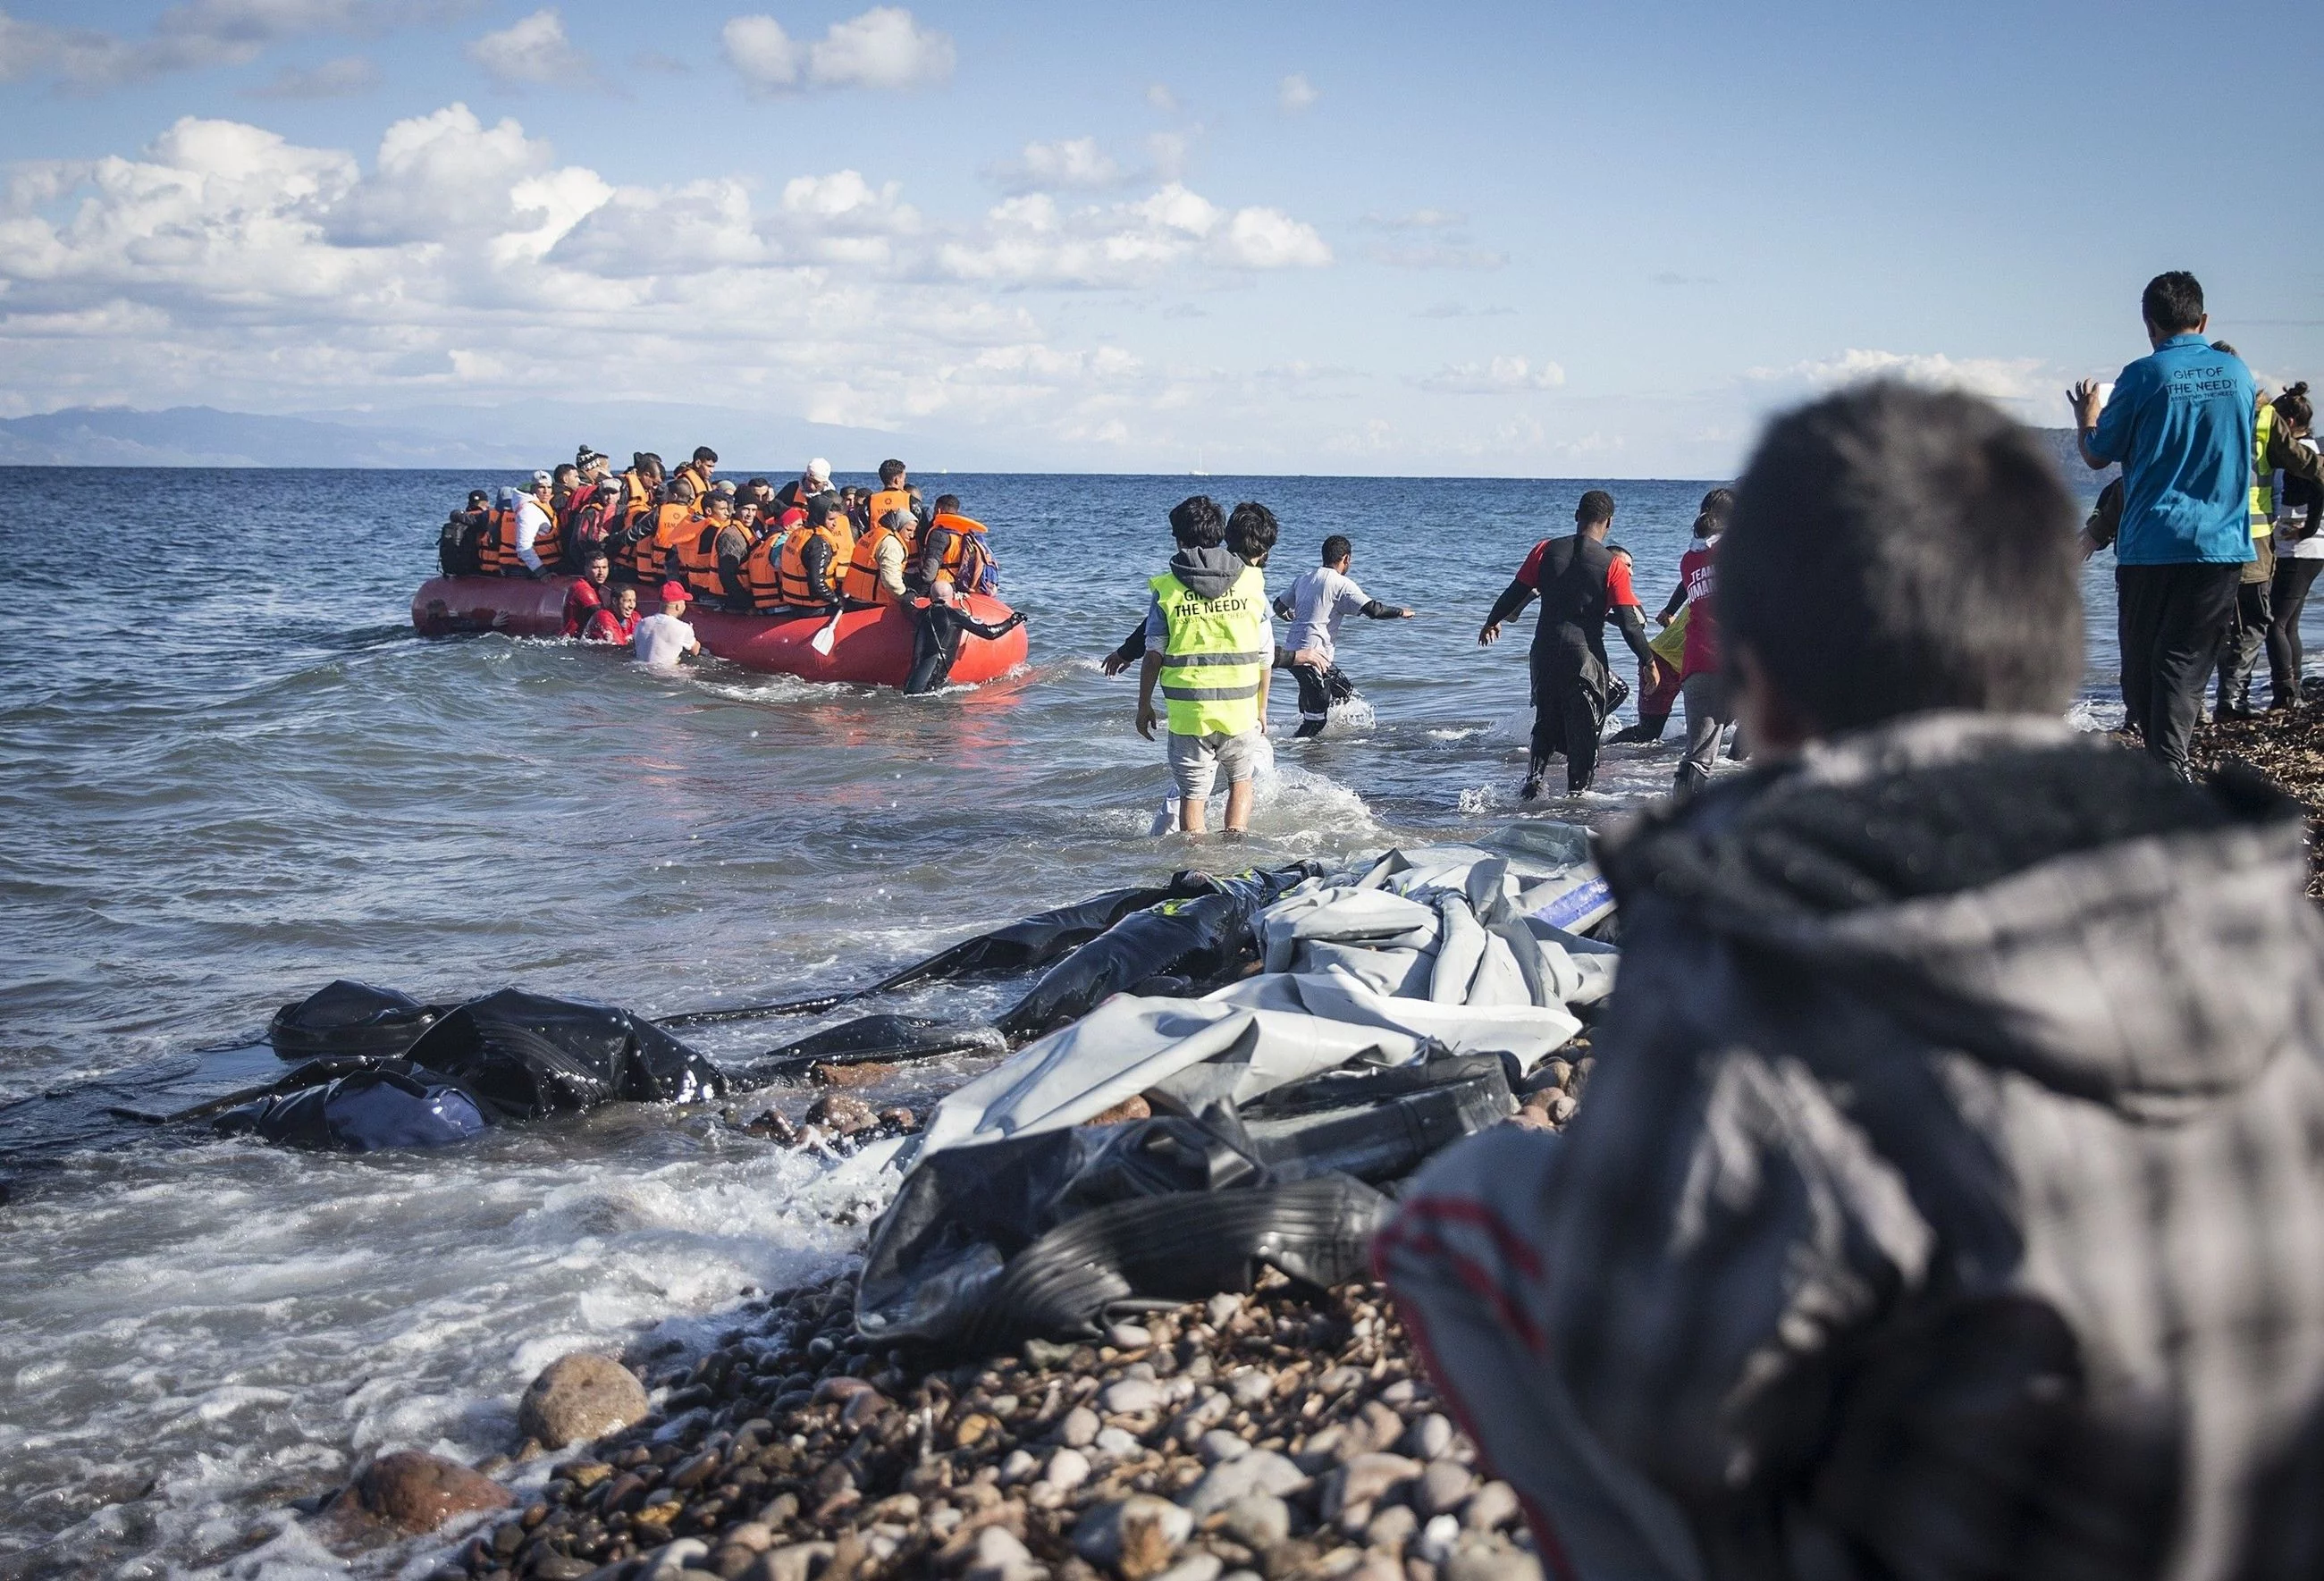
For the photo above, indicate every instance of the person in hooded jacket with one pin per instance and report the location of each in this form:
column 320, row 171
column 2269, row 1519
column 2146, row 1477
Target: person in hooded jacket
column 1948, row 1199
column 1210, row 644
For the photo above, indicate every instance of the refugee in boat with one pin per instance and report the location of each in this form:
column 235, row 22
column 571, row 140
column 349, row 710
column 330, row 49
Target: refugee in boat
column 894, row 494
column 523, row 537
column 696, row 554
column 1945, row 1201
column 586, row 596
column 1318, row 601
column 813, row 484
column 595, row 521
column 731, row 550
column 875, row 566
column 700, row 472
column 459, row 549
column 956, row 558
column 1582, row 586
column 814, row 555
column 1709, row 709
column 1210, row 641
column 664, row 640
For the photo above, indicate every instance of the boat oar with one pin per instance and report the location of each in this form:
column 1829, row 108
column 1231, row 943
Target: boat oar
column 821, row 640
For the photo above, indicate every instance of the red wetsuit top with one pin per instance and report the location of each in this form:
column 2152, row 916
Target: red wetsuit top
column 1698, row 574
column 606, row 625
column 581, row 602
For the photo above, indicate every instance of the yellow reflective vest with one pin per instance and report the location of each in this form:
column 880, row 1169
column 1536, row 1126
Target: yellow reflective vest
column 2262, row 494
column 1216, row 655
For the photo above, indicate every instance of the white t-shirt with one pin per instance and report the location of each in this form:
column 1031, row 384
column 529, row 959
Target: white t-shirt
column 2308, row 548
column 1320, row 601
column 661, row 638
column 532, row 520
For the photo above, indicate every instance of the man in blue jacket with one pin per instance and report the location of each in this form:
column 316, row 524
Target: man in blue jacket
column 2179, row 423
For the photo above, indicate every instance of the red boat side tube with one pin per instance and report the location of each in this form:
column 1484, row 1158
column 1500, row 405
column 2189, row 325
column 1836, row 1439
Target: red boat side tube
column 872, row 647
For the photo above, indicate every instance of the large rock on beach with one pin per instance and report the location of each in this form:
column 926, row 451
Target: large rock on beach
column 417, row 1492
column 580, row 1397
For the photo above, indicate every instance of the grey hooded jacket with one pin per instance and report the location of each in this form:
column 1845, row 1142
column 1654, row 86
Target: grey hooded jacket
column 1949, row 1197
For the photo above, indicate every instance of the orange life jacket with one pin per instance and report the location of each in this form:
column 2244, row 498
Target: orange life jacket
column 790, row 567
column 549, row 543
column 966, row 559
column 697, row 560
column 888, row 500
column 759, row 574
column 496, row 552
column 862, row 582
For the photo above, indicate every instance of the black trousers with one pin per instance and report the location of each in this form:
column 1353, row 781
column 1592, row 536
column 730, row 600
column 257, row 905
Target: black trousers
column 2287, row 596
column 2170, row 622
column 1319, row 688
column 1569, row 712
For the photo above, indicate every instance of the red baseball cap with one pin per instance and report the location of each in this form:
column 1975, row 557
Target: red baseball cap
column 673, row 593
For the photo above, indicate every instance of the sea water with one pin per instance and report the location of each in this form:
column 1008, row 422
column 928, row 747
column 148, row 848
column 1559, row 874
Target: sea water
column 230, row 772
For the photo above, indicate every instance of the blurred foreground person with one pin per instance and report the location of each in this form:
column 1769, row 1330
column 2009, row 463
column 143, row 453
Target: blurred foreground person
column 1947, row 1200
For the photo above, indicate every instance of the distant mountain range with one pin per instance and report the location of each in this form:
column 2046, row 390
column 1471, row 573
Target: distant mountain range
column 496, row 438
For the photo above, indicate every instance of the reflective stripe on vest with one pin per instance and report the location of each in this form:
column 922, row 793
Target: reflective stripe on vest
column 1216, row 655
column 2262, row 494
column 862, row 582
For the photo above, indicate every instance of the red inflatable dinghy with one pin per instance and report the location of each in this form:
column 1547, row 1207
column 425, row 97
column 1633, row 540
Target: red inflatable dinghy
column 872, row 647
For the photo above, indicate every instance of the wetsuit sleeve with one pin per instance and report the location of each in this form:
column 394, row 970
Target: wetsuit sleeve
column 816, row 559
column 1283, row 606
column 1134, row 649
column 931, row 557
column 1512, row 601
column 1530, row 572
column 1371, row 609
column 2106, row 516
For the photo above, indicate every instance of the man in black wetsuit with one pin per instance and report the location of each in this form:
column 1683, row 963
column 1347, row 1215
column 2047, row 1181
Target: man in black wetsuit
column 1582, row 584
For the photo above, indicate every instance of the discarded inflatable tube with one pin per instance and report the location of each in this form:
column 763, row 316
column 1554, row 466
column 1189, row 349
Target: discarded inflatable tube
column 525, row 1056
column 1041, row 1235
column 345, row 1018
column 872, row 1038
column 379, row 1107
column 1201, row 938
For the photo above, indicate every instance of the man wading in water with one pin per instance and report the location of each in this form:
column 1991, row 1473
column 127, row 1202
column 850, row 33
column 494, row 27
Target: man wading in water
column 1582, row 584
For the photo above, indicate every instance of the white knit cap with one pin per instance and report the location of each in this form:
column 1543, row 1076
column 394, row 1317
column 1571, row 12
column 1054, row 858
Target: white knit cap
column 819, row 469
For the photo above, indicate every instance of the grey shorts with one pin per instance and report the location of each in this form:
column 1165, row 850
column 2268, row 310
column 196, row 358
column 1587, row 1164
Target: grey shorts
column 1196, row 761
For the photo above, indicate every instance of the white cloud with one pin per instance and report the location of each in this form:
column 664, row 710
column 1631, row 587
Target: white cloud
column 186, row 37
column 1072, row 163
column 1499, row 376
column 1030, row 240
column 1160, row 96
column 532, row 50
column 2007, row 378
column 226, row 263
column 1295, row 93
column 344, row 77
column 884, row 47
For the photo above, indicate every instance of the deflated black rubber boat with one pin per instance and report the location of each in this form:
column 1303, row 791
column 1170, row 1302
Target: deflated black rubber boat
column 1048, row 1236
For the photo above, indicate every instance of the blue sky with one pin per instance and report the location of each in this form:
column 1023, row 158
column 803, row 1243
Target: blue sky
column 1490, row 239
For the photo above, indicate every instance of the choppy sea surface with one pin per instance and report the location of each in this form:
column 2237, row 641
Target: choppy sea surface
column 230, row 772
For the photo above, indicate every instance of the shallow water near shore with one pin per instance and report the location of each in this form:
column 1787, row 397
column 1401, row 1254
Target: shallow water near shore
column 230, row 772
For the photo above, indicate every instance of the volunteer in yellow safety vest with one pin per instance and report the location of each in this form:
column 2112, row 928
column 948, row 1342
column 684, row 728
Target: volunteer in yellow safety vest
column 1209, row 644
